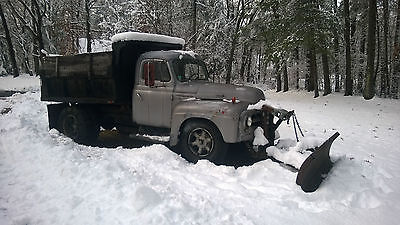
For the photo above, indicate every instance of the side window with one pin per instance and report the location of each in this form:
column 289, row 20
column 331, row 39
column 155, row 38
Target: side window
column 148, row 73
column 164, row 72
column 155, row 71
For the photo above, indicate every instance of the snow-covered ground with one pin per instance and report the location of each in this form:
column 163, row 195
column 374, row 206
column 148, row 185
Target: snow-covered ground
column 45, row 178
column 22, row 83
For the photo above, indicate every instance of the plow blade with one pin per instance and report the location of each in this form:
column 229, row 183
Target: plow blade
column 315, row 166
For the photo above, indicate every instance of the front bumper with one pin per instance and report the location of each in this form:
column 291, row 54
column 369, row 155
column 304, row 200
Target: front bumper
column 263, row 118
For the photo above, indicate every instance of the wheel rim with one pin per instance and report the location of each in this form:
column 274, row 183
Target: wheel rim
column 70, row 126
column 201, row 142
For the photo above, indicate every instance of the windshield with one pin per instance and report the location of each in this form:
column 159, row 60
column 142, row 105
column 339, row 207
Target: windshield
column 189, row 70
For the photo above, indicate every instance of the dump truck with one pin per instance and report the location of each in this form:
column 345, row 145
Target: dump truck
column 148, row 83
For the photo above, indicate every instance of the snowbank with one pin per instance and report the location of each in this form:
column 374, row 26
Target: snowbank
column 23, row 82
column 45, row 178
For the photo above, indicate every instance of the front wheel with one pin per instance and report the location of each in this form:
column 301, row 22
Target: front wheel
column 202, row 140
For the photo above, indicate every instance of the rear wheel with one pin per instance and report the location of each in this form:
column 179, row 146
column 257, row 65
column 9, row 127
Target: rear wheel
column 78, row 124
column 202, row 140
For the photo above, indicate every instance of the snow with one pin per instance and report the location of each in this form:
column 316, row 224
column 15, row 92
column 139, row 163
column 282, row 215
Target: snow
column 292, row 152
column 152, row 137
column 137, row 36
column 23, row 82
column 189, row 53
column 97, row 45
column 259, row 138
column 260, row 103
column 46, row 178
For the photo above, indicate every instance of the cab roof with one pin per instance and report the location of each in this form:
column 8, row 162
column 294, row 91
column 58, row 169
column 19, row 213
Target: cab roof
column 170, row 54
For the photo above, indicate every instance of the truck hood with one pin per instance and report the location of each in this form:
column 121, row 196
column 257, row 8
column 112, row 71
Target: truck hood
column 213, row 91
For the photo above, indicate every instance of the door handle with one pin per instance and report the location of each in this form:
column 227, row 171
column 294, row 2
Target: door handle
column 140, row 96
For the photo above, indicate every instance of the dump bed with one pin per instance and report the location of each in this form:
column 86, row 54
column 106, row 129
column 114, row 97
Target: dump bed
column 105, row 77
column 79, row 78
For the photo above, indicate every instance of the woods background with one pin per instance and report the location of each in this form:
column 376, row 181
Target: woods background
column 349, row 46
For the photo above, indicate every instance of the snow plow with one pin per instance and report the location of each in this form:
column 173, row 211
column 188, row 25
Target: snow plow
column 316, row 162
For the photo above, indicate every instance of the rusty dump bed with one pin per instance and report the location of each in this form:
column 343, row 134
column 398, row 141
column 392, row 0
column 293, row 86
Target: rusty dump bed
column 78, row 78
column 105, row 77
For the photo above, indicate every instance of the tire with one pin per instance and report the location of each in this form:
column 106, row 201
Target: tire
column 78, row 124
column 202, row 140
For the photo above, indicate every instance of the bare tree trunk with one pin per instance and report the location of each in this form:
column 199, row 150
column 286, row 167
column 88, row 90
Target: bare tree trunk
column 259, row 64
column 314, row 72
column 327, row 79
column 278, row 77
column 396, row 57
column 194, row 24
column 88, row 29
column 285, row 77
column 349, row 80
column 244, row 62
column 378, row 47
column 336, row 46
column 235, row 38
column 10, row 46
column 38, row 21
column 249, row 75
column 369, row 90
column 312, row 69
column 361, row 72
column 385, row 62
column 297, row 58
column 230, row 60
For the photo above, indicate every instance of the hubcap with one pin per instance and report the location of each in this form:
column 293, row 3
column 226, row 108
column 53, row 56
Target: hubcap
column 200, row 142
column 70, row 126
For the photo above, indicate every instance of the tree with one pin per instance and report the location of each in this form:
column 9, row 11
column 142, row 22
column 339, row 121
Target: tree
column 369, row 90
column 385, row 61
column 238, row 21
column 349, row 79
column 396, row 57
column 278, row 77
column 327, row 80
column 313, row 72
column 32, row 22
column 88, row 6
column 10, row 46
column 296, row 64
column 336, row 47
column 285, row 77
column 194, row 24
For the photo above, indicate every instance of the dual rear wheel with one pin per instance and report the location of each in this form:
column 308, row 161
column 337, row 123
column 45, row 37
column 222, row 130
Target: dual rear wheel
column 78, row 124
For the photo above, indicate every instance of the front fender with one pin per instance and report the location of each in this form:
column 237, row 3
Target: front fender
column 224, row 115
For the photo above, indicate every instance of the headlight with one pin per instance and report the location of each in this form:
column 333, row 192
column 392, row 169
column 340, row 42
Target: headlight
column 249, row 121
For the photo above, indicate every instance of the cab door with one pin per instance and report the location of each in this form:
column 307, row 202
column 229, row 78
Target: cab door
column 152, row 96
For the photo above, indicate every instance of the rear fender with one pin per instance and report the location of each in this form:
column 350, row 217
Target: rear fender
column 53, row 113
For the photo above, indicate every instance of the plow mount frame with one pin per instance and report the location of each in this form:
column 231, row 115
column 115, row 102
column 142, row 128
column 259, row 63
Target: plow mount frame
column 314, row 168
